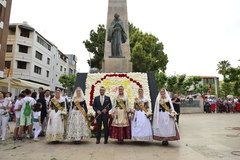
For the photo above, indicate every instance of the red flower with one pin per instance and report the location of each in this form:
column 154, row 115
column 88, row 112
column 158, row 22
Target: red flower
column 95, row 128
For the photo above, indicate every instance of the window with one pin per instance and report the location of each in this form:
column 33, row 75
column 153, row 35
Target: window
column 25, row 33
column 12, row 31
column 37, row 69
column 9, row 48
column 23, row 49
column 65, row 70
column 21, row 65
column 8, row 64
column 43, row 43
column 48, row 60
column 38, row 55
column 47, row 72
column 61, row 68
column 70, row 71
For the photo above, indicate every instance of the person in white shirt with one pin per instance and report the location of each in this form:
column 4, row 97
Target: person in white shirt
column 4, row 116
column 37, row 120
column 26, row 116
column 17, row 110
column 47, row 98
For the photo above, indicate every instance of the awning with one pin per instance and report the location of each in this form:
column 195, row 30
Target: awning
column 21, row 84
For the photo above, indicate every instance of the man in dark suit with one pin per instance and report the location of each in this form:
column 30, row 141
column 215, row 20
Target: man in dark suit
column 102, row 104
column 176, row 103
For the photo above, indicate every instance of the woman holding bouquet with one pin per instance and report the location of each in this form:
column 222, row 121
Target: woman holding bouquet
column 78, row 123
column 120, row 128
column 57, row 112
column 164, row 125
column 141, row 126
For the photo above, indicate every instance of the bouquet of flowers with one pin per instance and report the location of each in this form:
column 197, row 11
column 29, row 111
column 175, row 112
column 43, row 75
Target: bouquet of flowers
column 131, row 113
column 173, row 114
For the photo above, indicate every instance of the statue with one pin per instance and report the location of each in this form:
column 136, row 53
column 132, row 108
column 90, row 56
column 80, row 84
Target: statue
column 116, row 36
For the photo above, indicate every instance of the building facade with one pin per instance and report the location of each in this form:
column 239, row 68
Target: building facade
column 5, row 9
column 32, row 57
column 72, row 63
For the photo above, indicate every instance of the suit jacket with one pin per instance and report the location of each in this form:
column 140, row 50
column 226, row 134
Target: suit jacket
column 97, row 104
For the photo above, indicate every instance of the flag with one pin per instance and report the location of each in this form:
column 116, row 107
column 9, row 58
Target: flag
column 9, row 72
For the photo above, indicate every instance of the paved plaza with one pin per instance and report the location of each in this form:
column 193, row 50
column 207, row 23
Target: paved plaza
column 203, row 136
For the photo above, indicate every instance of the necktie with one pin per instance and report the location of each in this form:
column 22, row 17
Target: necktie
column 101, row 100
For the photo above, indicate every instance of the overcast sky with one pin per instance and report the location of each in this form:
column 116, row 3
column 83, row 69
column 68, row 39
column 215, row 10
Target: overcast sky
column 197, row 34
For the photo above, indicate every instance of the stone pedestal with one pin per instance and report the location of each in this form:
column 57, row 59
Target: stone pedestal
column 117, row 64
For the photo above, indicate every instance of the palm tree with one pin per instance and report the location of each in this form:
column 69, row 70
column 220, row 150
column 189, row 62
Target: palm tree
column 222, row 67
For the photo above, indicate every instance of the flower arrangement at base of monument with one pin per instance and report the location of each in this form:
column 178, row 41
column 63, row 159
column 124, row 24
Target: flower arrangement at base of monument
column 111, row 81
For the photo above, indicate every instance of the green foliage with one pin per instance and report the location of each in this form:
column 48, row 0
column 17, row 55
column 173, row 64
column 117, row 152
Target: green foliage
column 171, row 83
column 147, row 53
column 68, row 81
column 226, row 89
column 161, row 80
column 95, row 45
column 222, row 67
column 179, row 84
column 202, row 89
column 146, row 50
column 233, row 75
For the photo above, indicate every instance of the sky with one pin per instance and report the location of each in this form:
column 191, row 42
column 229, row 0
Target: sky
column 196, row 34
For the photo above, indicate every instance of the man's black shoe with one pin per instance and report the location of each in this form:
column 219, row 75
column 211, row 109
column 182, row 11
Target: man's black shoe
column 97, row 142
column 105, row 142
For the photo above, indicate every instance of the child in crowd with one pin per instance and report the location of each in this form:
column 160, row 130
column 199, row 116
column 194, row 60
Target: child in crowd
column 37, row 120
column 26, row 117
column 17, row 110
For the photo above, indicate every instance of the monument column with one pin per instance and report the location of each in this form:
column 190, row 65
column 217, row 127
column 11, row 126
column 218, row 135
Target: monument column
column 123, row 63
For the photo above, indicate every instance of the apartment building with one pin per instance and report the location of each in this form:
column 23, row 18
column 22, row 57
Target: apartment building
column 32, row 57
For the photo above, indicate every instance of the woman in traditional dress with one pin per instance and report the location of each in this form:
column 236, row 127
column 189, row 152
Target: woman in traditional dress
column 57, row 112
column 120, row 128
column 164, row 125
column 78, row 123
column 141, row 126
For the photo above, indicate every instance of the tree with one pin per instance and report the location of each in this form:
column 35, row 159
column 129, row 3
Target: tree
column 171, row 84
column 202, row 89
column 68, row 81
column 95, row 45
column 222, row 67
column 233, row 75
column 179, row 84
column 161, row 80
column 226, row 89
column 146, row 51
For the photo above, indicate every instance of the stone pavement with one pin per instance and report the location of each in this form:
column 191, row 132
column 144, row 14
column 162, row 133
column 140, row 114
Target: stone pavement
column 203, row 137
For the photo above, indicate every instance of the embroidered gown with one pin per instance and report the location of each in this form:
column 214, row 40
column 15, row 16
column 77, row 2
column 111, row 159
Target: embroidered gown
column 77, row 127
column 141, row 125
column 120, row 128
column 166, row 128
column 55, row 128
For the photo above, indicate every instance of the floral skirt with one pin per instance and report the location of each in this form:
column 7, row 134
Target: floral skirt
column 77, row 126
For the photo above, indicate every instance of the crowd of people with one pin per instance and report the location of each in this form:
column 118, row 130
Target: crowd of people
column 52, row 116
column 221, row 105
